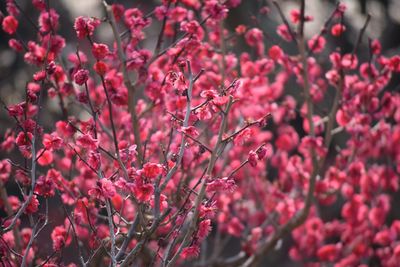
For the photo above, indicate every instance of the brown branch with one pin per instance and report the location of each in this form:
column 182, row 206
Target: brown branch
column 128, row 83
column 361, row 34
column 299, row 218
column 200, row 196
column 198, row 142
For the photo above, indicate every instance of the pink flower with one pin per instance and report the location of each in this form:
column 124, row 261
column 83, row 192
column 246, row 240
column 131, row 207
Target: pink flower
column 23, row 142
column 338, row 29
column 16, row 45
column 255, row 38
column 295, row 16
column 48, row 20
column 235, row 227
column 100, row 68
column 59, row 237
column 253, row 158
column 243, row 136
column 317, row 44
column 107, row 188
column 328, row 252
column 204, row 229
column 16, row 110
column 46, row 157
column 81, row 76
column 349, row 61
column 190, row 130
column 241, row 29
column 86, row 141
column 190, row 252
column 394, row 63
column 5, row 170
column 216, row 10
column 193, row 27
column 33, row 205
column 376, row 47
column 39, row 76
column 39, row 4
column 52, row 141
column 143, row 192
column 221, row 184
column 100, row 51
column 94, row 159
column 85, row 26
column 152, row 170
column 284, row 32
column 118, row 11
column 103, row 190
column 261, row 152
column 46, row 184
column 275, row 52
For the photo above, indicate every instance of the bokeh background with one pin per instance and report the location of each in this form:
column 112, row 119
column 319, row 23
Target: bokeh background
column 14, row 73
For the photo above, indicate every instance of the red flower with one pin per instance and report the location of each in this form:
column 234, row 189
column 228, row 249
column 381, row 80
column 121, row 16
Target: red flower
column 100, row 68
column 10, row 24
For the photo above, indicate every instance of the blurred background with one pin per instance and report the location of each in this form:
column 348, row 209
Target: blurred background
column 14, row 73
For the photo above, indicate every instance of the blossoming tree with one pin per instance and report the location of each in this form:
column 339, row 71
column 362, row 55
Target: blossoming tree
column 161, row 155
